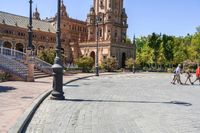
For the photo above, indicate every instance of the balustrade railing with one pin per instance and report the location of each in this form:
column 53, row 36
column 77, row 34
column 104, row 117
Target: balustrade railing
column 17, row 55
column 12, row 66
column 12, row 53
column 43, row 66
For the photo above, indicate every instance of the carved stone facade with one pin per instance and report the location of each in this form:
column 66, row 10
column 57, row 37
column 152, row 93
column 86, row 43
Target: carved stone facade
column 78, row 37
column 112, row 29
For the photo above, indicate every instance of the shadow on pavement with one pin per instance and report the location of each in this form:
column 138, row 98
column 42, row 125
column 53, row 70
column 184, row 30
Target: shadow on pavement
column 71, row 85
column 4, row 89
column 111, row 101
column 43, row 82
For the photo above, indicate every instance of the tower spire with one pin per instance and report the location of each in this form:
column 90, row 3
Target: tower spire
column 36, row 14
column 36, row 9
column 63, row 11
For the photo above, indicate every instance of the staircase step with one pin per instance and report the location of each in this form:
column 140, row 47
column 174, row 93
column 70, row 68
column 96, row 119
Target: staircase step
column 17, row 66
column 41, row 76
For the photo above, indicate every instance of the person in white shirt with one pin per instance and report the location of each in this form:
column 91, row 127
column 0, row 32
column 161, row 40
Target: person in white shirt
column 177, row 77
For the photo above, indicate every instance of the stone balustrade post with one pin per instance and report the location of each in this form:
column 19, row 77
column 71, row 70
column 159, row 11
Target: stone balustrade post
column 1, row 49
column 30, row 77
column 31, row 65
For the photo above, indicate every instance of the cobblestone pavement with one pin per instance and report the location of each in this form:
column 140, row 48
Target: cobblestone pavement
column 17, row 96
column 124, row 103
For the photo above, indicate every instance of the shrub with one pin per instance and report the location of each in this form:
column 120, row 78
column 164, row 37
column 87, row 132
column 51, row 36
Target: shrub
column 170, row 70
column 110, row 64
column 145, row 68
column 129, row 63
column 4, row 76
column 47, row 55
column 86, row 63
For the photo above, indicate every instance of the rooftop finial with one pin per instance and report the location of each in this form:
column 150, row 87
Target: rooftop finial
column 36, row 14
column 62, row 2
column 36, row 8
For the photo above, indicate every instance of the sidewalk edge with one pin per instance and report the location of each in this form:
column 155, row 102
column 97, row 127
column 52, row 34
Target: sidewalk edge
column 23, row 121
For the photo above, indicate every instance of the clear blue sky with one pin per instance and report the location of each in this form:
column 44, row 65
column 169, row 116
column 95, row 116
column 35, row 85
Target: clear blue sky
column 173, row 17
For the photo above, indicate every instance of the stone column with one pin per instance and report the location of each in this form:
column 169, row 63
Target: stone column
column 13, row 48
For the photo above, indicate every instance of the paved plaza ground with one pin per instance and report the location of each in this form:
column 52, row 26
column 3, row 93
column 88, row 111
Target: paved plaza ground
column 122, row 103
column 17, row 96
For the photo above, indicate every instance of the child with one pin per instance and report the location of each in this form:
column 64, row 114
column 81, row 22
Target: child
column 197, row 74
column 188, row 75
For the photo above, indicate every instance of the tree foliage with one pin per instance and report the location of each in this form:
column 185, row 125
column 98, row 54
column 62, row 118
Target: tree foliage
column 86, row 63
column 158, row 50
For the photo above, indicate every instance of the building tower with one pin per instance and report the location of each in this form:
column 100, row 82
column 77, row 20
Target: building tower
column 36, row 14
column 112, row 21
column 63, row 11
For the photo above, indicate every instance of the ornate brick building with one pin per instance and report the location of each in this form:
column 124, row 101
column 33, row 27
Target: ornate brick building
column 78, row 37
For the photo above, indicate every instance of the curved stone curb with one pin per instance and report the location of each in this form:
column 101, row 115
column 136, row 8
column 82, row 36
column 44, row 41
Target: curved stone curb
column 24, row 120
column 28, row 114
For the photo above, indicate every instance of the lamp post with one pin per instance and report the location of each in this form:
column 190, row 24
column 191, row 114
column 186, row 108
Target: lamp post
column 30, row 32
column 29, row 55
column 97, row 47
column 134, row 53
column 57, row 93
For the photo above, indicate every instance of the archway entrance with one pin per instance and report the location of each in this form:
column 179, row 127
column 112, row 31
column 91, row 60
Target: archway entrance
column 92, row 54
column 8, row 47
column 123, row 60
column 69, row 57
column 19, row 47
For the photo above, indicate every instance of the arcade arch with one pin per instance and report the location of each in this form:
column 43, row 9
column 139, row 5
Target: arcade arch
column 92, row 54
column 123, row 60
column 19, row 47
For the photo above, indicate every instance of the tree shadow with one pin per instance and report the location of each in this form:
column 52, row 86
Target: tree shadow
column 4, row 89
column 112, row 101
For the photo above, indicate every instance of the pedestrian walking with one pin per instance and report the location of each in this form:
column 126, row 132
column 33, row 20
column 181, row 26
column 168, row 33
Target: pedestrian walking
column 177, row 77
column 188, row 75
column 197, row 74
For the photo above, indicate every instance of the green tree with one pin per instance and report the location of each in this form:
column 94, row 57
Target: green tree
column 180, row 54
column 154, row 43
column 161, row 55
column 146, row 55
column 167, row 44
column 195, row 43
